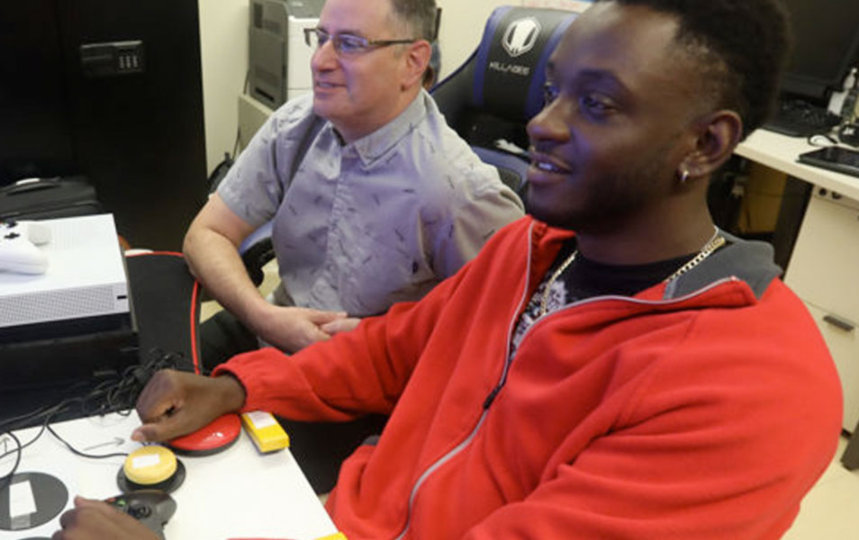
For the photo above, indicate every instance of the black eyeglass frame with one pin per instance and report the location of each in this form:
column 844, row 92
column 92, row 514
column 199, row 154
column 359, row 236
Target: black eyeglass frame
column 367, row 45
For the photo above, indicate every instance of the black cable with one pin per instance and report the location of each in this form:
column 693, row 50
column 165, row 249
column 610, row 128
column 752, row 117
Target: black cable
column 44, row 414
column 14, row 422
column 77, row 452
column 18, row 441
column 6, row 480
column 11, row 422
column 118, row 394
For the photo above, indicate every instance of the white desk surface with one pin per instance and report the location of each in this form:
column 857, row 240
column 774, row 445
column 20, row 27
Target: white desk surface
column 779, row 152
column 237, row 493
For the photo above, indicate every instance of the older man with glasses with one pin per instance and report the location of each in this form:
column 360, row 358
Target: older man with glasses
column 374, row 199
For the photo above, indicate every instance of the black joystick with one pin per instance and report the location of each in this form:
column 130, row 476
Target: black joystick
column 152, row 507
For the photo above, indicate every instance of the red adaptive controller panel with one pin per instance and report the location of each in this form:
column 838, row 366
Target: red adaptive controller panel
column 211, row 439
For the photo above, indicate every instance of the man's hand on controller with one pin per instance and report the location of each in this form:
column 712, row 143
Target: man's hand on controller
column 175, row 403
column 97, row 520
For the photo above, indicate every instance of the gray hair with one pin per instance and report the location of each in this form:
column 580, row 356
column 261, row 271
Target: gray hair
column 420, row 16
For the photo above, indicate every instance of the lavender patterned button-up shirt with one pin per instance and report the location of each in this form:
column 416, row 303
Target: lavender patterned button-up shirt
column 366, row 224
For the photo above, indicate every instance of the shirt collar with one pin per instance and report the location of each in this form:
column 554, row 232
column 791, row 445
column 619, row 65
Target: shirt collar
column 370, row 147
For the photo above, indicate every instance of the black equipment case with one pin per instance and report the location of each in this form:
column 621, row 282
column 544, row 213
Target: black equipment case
column 47, row 198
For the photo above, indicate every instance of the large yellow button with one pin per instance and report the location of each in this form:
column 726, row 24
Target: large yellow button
column 150, row 465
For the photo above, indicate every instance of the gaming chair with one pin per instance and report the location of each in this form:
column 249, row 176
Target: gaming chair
column 492, row 96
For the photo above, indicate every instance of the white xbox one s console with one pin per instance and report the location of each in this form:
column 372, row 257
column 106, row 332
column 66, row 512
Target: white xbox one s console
column 82, row 284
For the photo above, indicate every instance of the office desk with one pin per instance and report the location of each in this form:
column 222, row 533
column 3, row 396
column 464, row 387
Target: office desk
column 237, row 493
column 824, row 265
column 779, row 152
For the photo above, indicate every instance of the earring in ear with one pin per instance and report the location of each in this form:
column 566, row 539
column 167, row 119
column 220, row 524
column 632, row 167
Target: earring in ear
column 684, row 176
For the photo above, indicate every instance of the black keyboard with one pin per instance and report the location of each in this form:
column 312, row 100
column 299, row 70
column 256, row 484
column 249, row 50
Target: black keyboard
column 798, row 118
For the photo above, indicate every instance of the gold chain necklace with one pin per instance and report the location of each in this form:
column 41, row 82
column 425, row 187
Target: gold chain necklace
column 715, row 242
column 544, row 302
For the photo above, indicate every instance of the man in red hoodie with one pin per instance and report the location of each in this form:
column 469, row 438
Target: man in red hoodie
column 612, row 366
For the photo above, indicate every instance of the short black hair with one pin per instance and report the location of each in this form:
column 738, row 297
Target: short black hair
column 742, row 46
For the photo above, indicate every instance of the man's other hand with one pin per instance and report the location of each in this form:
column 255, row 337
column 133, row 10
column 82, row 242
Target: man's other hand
column 290, row 329
column 175, row 403
column 97, row 520
column 341, row 325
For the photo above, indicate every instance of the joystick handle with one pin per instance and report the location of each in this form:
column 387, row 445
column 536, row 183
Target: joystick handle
column 151, row 507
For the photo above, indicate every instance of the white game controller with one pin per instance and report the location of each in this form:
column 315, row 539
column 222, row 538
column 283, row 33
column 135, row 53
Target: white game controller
column 18, row 251
column 33, row 231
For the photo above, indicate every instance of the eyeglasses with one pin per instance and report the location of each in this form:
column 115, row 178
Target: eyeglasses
column 348, row 44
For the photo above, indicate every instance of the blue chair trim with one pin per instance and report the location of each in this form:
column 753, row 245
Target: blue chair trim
column 261, row 233
column 483, row 53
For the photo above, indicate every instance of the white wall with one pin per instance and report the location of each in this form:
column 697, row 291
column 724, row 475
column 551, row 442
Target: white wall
column 462, row 27
column 224, row 58
column 224, row 51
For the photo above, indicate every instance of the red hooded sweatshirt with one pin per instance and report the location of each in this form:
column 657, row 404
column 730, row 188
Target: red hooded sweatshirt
column 702, row 408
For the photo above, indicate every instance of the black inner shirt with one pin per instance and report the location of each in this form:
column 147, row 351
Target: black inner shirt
column 585, row 278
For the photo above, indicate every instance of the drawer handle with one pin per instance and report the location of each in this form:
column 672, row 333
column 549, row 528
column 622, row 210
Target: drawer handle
column 839, row 323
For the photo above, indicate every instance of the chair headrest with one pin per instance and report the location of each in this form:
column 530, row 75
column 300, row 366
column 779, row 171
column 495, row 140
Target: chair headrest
column 510, row 62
